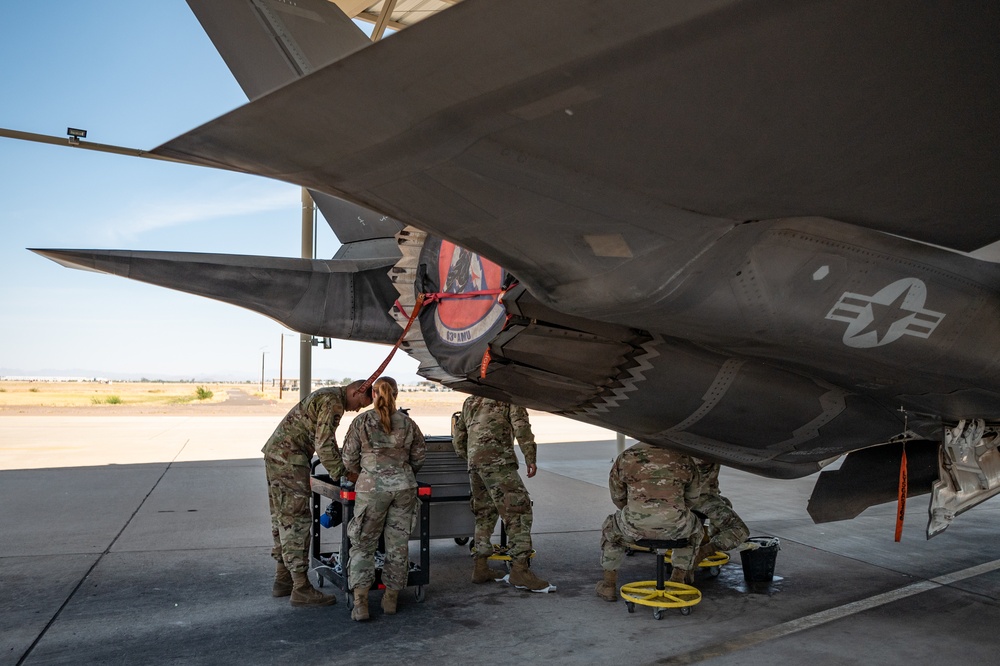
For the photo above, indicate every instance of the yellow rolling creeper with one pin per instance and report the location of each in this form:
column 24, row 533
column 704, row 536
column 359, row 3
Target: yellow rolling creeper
column 713, row 563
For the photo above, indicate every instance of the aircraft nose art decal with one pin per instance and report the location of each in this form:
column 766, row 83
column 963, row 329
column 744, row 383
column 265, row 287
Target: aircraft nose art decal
column 894, row 311
column 463, row 321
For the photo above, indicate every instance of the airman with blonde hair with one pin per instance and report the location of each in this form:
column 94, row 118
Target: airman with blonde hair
column 385, row 449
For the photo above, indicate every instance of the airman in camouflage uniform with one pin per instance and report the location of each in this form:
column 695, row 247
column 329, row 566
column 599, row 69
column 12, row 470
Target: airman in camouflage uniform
column 726, row 529
column 653, row 488
column 309, row 427
column 385, row 462
column 484, row 433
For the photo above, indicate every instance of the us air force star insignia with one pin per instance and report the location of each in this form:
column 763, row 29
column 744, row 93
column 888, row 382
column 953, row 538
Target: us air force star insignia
column 897, row 309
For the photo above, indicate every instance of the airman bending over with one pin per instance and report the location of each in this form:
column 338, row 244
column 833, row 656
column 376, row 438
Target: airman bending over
column 310, row 426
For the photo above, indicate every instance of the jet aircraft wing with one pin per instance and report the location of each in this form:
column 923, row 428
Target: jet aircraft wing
column 308, row 295
column 644, row 124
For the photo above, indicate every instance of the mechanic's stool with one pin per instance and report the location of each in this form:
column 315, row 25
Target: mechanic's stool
column 660, row 594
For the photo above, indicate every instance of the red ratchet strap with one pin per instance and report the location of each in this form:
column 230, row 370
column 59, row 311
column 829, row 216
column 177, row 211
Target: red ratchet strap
column 441, row 295
column 487, row 356
column 421, row 300
column 901, row 502
column 406, row 329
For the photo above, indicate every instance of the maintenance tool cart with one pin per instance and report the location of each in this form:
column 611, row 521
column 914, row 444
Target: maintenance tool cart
column 333, row 566
column 448, row 474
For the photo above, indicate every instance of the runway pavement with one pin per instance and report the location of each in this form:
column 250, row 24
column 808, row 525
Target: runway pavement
column 145, row 540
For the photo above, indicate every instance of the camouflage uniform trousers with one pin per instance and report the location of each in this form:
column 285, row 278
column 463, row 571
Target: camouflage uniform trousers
column 289, row 495
column 617, row 535
column 725, row 527
column 391, row 511
column 499, row 492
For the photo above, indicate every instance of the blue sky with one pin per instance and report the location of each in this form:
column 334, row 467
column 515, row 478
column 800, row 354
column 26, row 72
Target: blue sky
column 133, row 74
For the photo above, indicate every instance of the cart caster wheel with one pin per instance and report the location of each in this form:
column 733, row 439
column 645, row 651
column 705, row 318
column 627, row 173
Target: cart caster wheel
column 349, row 596
column 657, row 615
column 629, row 606
column 321, row 581
column 461, row 541
column 419, row 594
column 629, row 552
column 686, row 610
column 714, row 572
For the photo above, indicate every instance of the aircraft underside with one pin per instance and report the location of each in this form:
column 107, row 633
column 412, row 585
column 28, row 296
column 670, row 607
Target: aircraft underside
column 719, row 393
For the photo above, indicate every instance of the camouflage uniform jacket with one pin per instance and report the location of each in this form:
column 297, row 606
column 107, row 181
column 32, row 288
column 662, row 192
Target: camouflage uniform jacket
column 648, row 482
column 485, row 431
column 310, row 426
column 708, row 476
column 707, row 484
column 384, row 461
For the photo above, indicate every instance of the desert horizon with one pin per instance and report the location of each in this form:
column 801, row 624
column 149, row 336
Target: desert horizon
column 81, row 398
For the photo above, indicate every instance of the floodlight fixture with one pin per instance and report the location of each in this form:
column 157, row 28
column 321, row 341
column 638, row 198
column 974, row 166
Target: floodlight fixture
column 326, row 342
column 75, row 135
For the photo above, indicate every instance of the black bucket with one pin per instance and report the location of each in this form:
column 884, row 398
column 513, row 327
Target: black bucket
column 758, row 559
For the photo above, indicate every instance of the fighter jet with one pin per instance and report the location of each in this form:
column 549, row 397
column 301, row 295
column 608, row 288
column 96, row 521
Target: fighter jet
column 757, row 232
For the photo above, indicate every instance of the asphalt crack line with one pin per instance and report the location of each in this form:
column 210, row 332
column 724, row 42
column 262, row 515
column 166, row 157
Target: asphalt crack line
column 100, row 557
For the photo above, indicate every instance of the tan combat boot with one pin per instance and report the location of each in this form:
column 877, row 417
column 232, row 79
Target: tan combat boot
column 607, row 589
column 483, row 573
column 522, row 576
column 304, row 594
column 706, row 550
column 360, row 612
column 685, row 576
column 282, row 581
column 389, row 601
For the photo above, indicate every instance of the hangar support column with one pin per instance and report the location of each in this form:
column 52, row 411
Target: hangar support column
column 305, row 339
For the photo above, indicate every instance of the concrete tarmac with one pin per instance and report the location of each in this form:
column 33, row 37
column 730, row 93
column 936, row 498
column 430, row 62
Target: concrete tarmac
column 145, row 540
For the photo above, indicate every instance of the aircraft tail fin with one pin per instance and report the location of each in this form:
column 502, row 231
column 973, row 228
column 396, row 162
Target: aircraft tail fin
column 268, row 44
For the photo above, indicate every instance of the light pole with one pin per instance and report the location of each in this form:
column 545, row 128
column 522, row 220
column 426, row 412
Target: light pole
column 262, row 355
column 305, row 340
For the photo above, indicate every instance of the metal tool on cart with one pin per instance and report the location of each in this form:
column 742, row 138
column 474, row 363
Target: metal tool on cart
column 333, row 566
